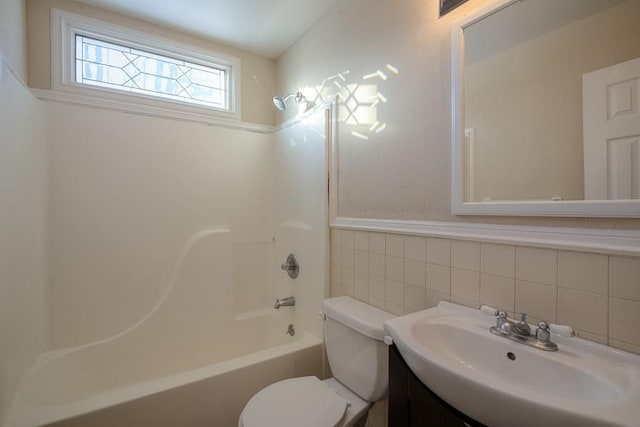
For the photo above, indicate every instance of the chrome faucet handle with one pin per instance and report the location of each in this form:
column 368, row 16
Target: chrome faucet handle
column 543, row 333
column 291, row 266
column 501, row 319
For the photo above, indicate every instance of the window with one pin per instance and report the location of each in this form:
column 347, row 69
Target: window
column 119, row 67
column 101, row 61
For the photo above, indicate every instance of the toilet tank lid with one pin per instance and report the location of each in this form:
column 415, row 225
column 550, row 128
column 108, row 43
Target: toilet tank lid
column 364, row 318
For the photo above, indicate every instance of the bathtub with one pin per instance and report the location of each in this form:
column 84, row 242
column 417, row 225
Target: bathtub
column 212, row 395
column 192, row 361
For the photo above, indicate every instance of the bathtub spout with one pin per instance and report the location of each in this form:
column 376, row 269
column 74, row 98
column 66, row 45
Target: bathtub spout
column 284, row 302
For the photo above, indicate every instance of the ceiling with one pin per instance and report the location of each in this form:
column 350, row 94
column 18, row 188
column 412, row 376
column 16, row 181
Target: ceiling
column 265, row 27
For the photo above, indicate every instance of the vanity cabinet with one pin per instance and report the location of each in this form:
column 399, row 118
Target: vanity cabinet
column 412, row 404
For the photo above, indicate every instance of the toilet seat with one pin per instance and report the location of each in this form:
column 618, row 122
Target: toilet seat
column 303, row 401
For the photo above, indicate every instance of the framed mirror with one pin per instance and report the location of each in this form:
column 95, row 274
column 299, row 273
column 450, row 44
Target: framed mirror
column 545, row 105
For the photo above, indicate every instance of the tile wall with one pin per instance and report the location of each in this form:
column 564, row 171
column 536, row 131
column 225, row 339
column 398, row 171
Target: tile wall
column 597, row 294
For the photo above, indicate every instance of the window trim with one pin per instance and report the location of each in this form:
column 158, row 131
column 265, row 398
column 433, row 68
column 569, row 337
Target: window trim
column 64, row 27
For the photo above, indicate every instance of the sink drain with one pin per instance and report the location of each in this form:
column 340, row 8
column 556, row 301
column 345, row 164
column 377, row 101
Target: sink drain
column 511, row 356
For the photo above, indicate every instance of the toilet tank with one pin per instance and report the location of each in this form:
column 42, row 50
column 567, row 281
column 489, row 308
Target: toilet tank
column 353, row 337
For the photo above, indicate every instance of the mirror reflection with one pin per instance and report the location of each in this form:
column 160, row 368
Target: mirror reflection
column 551, row 102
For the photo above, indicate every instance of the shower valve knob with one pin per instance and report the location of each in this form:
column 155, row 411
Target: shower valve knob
column 291, row 266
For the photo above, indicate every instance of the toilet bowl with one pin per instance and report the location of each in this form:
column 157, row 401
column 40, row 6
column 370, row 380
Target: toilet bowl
column 358, row 359
column 304, row 401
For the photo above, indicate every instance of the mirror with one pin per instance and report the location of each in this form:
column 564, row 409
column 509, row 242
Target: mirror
column 546, row 118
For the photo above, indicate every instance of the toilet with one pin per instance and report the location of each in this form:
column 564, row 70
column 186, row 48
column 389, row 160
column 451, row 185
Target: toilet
column 358, row 359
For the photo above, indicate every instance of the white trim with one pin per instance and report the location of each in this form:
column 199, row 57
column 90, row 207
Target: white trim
column 64, row 25
column 151, row 111
column 470, row 163
column 334, row 172
column 577, row 208
column 614, row 242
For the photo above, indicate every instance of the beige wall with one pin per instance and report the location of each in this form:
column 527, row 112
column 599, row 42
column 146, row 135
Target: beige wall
column 402, row 172
column 22, row 209
column 258, row 73
column 510, row 148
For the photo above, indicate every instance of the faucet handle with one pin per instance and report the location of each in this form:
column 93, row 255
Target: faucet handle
column 543, row 333
column 543, row 325
column 502, row 318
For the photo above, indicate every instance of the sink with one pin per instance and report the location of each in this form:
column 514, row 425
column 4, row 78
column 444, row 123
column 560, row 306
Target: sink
column 502, row 383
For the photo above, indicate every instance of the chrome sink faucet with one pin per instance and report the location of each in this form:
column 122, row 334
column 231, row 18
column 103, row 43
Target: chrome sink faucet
column 522, row 327
column 521, row 332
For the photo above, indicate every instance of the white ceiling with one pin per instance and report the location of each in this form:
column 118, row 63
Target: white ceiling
column 265, row 27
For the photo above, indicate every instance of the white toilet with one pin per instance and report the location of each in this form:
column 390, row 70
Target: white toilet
column 358, row 358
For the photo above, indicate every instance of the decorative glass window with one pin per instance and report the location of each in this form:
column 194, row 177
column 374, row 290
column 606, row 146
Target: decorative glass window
column 99, row 63
column 114, row 66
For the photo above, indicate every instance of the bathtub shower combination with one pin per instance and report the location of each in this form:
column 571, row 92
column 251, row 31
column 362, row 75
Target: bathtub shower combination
column 187, row 338
column 209, row 344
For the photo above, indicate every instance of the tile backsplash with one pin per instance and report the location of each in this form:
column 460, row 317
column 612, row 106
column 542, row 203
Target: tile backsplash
column 597, row 294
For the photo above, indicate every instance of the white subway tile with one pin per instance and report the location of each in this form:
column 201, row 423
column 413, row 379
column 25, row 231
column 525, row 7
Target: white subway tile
column 439, row 278
column 348, row 239
column 377, row 264
column 465, row 255
column 438, row 251
column 539, row 301
column 583, row 272
column 376, row 286
column 415, row 248
column 537, row 265
column 394, row 245
column 498, row 292
column 362, row 240
column 393, row 308
column 361, row 261
column 394, row 268
column 415, row 273
column 377, row 243
column 625, row 277
column 625, row 346
column 362, row 282
column 498, row 260
column 624, row 320
column 600, row 339
column 465, row 284
column 377, row 302
column 335, row 255
column 347, row 277
column 348, row 258
column 467, row 303
column 336, row 237
column 394, row 292
column 361, row 297
column 415, row 298
column 435, row 297
column 587, row 312
column 335, row 275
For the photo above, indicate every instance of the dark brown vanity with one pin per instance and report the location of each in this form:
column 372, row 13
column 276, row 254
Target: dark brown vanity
column 412, row 404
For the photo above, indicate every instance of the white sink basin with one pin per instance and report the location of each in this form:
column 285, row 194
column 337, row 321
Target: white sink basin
column 451, row 350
